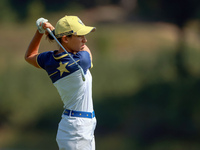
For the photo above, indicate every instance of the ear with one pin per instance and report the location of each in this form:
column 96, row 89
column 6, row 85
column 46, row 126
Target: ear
column 65, row 39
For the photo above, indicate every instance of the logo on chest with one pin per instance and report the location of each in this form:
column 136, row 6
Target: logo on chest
column 62, row 68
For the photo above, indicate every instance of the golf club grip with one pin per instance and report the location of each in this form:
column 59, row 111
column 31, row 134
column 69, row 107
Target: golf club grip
column 82, row 73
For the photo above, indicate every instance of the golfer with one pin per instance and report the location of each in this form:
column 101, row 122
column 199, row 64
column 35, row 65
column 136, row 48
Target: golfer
column 76, row 128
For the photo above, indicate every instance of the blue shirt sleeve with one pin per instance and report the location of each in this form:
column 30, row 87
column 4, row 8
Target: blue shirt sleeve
column 85, row 60
column 42, row 58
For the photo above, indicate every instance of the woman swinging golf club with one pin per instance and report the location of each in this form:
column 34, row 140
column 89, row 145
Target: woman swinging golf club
column 68, row 68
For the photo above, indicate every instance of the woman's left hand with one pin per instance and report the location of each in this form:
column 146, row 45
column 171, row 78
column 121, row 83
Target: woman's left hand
column 48, row 25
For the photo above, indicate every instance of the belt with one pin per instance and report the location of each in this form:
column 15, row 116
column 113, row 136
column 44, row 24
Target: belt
column 82, row 114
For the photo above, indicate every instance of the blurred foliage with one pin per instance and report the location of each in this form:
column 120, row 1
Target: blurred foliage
column 172, row 11
column 141, row 101
column 21, row 10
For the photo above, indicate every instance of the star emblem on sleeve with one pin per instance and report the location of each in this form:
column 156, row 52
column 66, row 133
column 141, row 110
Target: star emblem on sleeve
column 62, row 68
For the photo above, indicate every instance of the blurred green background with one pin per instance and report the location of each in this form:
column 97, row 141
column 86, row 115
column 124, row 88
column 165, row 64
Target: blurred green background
column 146, row 75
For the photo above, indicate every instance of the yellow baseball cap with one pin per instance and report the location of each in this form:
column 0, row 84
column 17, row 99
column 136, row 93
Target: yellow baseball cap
column 71, row 25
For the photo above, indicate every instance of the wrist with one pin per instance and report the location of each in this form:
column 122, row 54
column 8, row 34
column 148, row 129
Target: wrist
column 38, row 32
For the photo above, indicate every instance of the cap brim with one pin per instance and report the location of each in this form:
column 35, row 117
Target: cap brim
column 85, row 30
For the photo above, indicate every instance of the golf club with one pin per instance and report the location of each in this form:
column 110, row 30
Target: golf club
column 82, row 73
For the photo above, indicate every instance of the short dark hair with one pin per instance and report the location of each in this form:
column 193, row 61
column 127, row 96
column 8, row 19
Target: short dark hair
column 59, row 39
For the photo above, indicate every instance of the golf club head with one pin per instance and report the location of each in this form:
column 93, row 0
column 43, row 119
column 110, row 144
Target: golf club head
column 82, row 73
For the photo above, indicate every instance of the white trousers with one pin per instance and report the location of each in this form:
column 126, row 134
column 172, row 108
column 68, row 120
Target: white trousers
column 75, row 133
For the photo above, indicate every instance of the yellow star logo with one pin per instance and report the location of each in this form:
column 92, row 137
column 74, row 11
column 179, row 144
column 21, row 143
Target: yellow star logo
column 62, row 68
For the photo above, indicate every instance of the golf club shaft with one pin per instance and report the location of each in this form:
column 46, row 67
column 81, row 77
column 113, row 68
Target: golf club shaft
column 82, row 73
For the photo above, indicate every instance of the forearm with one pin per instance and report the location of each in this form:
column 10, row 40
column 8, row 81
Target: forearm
column 32, row 50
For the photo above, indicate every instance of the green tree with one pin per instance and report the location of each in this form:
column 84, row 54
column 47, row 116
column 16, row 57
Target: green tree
column 176, row 12
column 6, row 13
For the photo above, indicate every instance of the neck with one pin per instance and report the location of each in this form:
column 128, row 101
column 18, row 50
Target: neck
column 62, row 50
